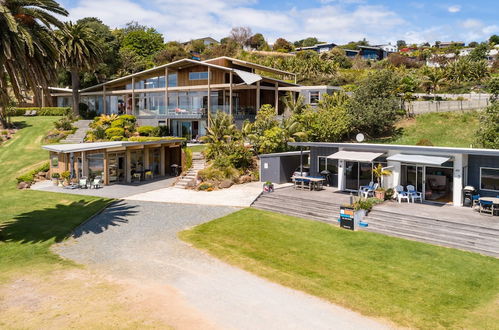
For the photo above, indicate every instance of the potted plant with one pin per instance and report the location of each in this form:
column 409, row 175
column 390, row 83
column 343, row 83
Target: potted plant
column 268, row 186
column 65, row 177
column 379, row 171
column 55, row 178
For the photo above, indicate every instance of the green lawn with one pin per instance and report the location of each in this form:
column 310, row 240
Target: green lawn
column 410, row 283
column 31, row 221
column 447, row 129
column 198, row 148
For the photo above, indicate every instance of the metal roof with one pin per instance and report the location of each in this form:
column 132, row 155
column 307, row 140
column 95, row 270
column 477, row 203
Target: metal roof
column 77, row 147
column 398, row 147
column 284, row 154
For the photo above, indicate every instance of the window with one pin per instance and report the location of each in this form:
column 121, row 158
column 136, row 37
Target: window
column 489, row 178
column 314, row 97
column 331, row 165
column 198, row 75
column 95, row 165
column 54, row 162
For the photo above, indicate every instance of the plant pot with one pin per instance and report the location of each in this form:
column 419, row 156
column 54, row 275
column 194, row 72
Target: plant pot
column 268, row 187
column 379, row 194
column 55, row 181
column 59, row 183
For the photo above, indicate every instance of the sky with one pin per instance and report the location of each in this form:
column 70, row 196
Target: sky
column 338, row 21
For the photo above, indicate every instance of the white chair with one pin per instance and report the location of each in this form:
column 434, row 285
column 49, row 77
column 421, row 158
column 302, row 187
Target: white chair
column 413, row 194
column 401, row 194
column 366, row 191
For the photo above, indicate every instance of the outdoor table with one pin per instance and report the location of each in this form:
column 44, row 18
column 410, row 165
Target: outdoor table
column 315, row 182
column 494, row 200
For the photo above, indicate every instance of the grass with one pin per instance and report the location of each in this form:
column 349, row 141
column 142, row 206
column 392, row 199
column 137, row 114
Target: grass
column 413, row 284
column 198, row 147
column 31, row 221
column 446, row 129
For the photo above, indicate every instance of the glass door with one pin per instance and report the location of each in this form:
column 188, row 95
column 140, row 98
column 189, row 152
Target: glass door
column 116, row 167
column 413, row 175
column 439, row 184
column 351, row 175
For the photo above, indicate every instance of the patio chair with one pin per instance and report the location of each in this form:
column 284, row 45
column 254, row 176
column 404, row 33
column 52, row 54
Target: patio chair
column 368, row 186
column 413, row 194
column 148, row 175
column 97, row 182
column 83, row 182
column 486, row 207
column 27, row 113
column 33, row 113
column 475, row 201
column 401, row 194
column 369, row 190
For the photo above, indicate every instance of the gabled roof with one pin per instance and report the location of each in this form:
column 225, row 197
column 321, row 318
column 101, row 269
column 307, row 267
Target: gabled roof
column 250, row 65
column 77, row 147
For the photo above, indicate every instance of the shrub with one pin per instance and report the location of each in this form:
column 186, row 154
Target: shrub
column 29, row 176
column 146, row 130
column 117, row 138
column 153, row 138
column 64, row 124
column 115, row 131
column 205, row 186
column 45, row 111
column 118, row 123
column 211, row 173
column 188, row 158
column 163, row 131
column 129, row 118
column 65, row 175
column 56, row 175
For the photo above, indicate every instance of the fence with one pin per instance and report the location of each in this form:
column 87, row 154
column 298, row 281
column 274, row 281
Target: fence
column 419, row 107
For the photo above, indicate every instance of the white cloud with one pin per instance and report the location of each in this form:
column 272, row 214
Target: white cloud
column 454, row 9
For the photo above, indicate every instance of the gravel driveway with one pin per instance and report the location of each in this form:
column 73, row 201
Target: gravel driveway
column 138, row 240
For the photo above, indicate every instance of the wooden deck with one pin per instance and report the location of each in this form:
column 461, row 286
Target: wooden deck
column 445, row 225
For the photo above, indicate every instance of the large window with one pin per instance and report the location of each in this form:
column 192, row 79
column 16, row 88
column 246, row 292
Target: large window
column 489, row 178
column 314, row 97
column 95, row 165
column 198, row 75
column 330, row 165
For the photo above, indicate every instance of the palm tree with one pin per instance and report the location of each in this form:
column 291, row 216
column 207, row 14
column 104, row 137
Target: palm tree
column 434, row 78
column 294, row 105
column 28, row 48
column 379, row 171
column 80, row 51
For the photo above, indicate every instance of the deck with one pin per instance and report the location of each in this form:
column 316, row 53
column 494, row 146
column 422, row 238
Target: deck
column 439, row 224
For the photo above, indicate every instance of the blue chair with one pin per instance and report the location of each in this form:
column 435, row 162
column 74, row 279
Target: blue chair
column 486, row 207
column 475, row 200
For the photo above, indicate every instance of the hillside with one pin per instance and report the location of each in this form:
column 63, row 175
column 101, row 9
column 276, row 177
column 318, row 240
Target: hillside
column 447, row 129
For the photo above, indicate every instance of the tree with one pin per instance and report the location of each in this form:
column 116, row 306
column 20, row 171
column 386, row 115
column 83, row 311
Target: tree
column 401, row 44
column 488, row 131
column 28, row 49
column 241, row 35
column 145, row 42
column 308, row 42
column 479, row 53
column 493, row 88
column 257, row 41
column 433, row 78
column 294, row 105
column 172, row 51
column 131, row 62
column 473, row 44
column 494, row 39
column 79, row 52
column 374, row 105
column 338, row 56
column 282, row 44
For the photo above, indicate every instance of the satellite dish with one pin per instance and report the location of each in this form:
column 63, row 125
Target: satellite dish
column 360, row 137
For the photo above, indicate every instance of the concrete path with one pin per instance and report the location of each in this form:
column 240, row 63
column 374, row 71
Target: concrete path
column 82, row 127
column 240, row 195
column 138, row 240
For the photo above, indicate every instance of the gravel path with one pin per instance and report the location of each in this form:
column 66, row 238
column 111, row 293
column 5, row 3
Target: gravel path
column 138, row 240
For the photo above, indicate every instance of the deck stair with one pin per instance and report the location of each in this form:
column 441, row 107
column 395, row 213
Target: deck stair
column 190, row 177
column 81, row 131
column 444, row 232
column 448, row 233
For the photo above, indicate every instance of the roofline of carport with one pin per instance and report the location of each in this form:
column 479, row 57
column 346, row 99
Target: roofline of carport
column 398, row 147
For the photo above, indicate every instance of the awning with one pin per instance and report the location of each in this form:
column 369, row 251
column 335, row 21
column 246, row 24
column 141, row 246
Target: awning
column 358, row 156
column 248, row 77
column 419, row 159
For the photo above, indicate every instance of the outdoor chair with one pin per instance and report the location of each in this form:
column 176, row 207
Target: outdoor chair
column 475, row 201
column 401, row 194
column 148, row 174
column 486, row 207
column 33, row 113
column 97, row 182
column 368, row 186
column 27, row 113
column 83, row 182
column 413, row 194
column 369, row 190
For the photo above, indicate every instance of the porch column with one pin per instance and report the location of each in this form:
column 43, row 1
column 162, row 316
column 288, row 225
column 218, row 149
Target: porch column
column 128, row 166
column 133, row 96
column 84, row 163
column 146, row 158
column 230, row 92
column 106, row 169
column 72, row 165
column 396, row 170
column 341, row 174
column 209, row 96
column 162, row 170
column 166, row 91
column 457, row 188
column 104, row 105
column 257, row 95
column 276, row 99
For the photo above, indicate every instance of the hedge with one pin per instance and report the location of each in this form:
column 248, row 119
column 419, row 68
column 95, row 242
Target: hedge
column 30, row 176
column 153, row 138
column 115, row 131
column 46, row 111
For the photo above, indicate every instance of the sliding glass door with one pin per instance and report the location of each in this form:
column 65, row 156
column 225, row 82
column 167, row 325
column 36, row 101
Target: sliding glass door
column 357, row 174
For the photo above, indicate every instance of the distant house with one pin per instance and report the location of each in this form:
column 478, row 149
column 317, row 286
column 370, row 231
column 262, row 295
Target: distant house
column 446, row 44
column 372, row 53
column 207, row 41
column 351, row 52
column 319, row 48
column 388, row 48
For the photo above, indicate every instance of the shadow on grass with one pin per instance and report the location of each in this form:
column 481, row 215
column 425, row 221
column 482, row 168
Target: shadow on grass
column 20, row 124
column 56, row 223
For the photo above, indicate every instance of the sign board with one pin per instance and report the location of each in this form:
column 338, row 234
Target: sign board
column 347, row 217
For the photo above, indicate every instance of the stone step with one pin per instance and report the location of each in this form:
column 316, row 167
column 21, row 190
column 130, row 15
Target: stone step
column 326, row 210
column 298, row 215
